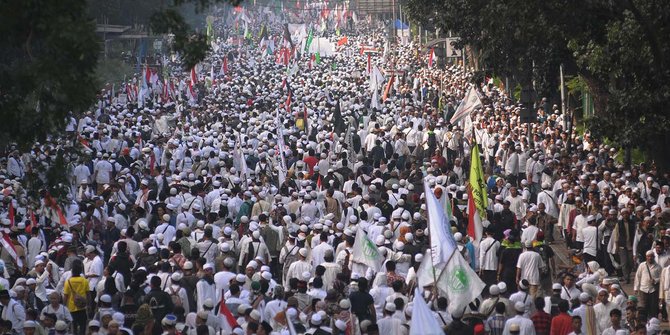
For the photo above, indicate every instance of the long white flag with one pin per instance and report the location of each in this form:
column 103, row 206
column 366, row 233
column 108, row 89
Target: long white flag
column 442, row 243
column 366, row 252
column 423, row 319
column 467, row 105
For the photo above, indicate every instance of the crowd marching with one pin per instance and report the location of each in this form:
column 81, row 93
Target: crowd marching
column 317, row 179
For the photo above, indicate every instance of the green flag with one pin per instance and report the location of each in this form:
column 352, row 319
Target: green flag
column 317, row 57
column 310, row 37
column 477, row 181
column 210, row 29
column 260, row 34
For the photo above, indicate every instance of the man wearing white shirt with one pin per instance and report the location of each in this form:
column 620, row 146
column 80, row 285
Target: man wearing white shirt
column 12, row 311
column 529, row 233
column 93, row 268
column 42, row 279
column 166, row 229
column 579, row 224
column 517, row 206
column 521, row 324
column 590, row 236
column 15, row 167
column 527, row 268
column 102, row 172
column 547, row 198
column 488, row 258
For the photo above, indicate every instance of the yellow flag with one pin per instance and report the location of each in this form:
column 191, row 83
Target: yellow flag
column 477, row 181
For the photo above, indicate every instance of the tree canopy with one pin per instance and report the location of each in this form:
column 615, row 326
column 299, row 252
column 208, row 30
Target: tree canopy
column 49, row 51
column 48, row 54
column 616, row 47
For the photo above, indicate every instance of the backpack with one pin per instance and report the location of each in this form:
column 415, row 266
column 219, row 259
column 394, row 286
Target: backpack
column 290, row 257
column 176, row 299
column 388, row 149
column 544, row 253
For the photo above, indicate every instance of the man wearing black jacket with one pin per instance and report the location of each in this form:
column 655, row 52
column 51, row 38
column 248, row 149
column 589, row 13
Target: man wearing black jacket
column 160, row 303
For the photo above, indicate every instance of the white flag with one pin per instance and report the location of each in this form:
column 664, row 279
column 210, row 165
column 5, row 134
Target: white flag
column 442, row 243
column 467, row 105
column 374, row 103
column 423, row 319
column 366, row 252
column 427, row 273
column 459, row 283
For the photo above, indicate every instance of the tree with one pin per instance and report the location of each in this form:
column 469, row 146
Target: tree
column 48, row 54
column 617, row 48
column 49, row 51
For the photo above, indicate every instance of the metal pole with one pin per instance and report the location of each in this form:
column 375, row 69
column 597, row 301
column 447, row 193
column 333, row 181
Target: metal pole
column 563, row 96
column 463, row 53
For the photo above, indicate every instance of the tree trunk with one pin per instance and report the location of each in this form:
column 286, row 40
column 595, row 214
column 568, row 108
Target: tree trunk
column 599, row 91
column 659, row 156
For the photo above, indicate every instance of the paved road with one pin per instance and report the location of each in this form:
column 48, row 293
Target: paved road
column 563, row 258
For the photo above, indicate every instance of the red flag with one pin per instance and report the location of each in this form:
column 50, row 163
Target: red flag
column 147, row 74
column 33, row 222
column 319, row 183
column 229, row 321
column 287, row 55
column 342, row 41
column 430, row 58
column 152, row 162
column 288, row 101
column 311, row 60
column 11, row 213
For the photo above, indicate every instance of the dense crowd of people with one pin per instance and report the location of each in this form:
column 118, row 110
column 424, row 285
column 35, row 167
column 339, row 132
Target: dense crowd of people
column 231, row 203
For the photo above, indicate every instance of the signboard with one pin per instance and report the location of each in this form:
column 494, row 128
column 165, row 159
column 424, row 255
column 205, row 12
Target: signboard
column 123, row 99
column 451, row 50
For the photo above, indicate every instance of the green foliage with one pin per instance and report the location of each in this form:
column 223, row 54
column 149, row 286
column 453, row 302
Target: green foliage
column 113, row 71
column 576, row 85
column 188, row 42
column 48, row 54
column 616, row 48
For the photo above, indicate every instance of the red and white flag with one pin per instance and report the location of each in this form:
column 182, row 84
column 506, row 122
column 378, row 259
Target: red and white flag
column 430, row 58
column 191, row 92
column 194, row 77
column 11, row 213
column 211, row 74
column 9, row 247
column 228, row 321
column 224, row 67
column 475, row 228
column 147, row 74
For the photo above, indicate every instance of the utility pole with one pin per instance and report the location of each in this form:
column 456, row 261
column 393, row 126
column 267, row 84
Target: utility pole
column 563, row 96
